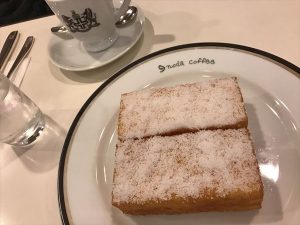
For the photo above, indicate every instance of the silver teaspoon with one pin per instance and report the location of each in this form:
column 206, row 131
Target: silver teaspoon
column 128, row 17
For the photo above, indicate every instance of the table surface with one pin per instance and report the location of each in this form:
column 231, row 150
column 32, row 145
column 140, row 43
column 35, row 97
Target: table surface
column 28, row 177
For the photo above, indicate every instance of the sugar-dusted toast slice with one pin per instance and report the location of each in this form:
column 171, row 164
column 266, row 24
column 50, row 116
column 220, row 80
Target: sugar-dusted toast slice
column 184, row 108
column 210, row 170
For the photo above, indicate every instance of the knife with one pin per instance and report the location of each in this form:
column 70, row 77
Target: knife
column 22, row 54
column 7, row 47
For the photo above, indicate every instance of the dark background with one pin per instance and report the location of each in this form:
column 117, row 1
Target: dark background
column 15, row 11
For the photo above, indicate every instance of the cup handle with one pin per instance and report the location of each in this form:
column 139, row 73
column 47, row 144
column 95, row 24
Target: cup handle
column 121, row 11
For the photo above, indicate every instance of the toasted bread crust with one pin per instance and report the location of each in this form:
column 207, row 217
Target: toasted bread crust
column 234, row 202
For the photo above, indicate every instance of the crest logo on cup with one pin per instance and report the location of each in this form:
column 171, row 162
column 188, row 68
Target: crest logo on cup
column 91, row 22
column 81, row 22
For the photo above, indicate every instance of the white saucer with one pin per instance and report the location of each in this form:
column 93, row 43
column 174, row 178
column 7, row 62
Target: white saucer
column 68, row 53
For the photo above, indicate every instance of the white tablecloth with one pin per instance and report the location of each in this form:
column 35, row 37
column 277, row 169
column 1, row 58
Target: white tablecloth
column 28, row 177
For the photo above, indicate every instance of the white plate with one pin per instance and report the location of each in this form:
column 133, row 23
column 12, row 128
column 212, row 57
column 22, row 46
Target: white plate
column 68, row 53
column 271, row 90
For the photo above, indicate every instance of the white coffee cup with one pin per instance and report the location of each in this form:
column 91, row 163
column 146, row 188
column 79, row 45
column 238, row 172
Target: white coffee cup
column 90, row 21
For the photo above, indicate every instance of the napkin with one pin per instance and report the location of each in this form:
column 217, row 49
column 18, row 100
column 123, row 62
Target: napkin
column 18, row 75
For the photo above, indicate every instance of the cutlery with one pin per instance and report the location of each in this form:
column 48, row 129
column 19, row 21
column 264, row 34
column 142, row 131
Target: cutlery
column 128, row 17
column 125, row 19
column 8, row 46
column 22, row 54
column 59, row 29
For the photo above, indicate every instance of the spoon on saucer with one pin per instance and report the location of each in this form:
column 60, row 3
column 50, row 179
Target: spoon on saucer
column 128, row 17
column 124, row 20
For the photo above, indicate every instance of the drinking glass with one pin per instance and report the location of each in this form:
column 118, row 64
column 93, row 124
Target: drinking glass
column 21, row 121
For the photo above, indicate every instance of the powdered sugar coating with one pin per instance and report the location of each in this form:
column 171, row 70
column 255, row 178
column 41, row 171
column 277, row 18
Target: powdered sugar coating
column 186, row 165
column 190, row 107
